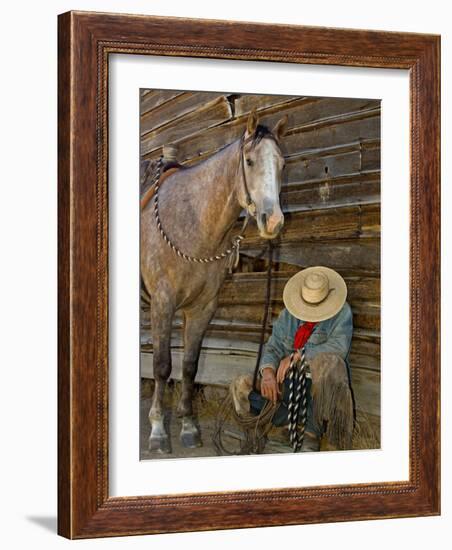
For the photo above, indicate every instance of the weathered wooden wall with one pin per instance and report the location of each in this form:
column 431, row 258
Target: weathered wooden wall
column 331, row 201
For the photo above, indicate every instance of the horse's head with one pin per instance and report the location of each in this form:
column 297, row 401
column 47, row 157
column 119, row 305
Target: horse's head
column 262, row 165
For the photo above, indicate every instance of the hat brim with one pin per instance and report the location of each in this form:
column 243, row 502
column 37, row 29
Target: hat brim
column 304, row 311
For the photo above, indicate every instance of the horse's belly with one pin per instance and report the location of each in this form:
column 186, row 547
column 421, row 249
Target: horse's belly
column 198, row 285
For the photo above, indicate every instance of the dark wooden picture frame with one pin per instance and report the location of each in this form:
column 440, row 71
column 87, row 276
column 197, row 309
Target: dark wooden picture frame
column 86, row 40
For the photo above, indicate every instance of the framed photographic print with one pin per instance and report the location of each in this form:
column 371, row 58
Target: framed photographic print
column 331, row 204
column 248, row 274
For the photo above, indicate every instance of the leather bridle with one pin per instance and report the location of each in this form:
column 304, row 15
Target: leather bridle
column 250, row 206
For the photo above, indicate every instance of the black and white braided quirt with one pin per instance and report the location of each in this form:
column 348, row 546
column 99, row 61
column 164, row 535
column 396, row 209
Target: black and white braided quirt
column 297, row 407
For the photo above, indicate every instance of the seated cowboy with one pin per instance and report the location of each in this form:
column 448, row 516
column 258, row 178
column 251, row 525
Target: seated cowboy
column 317, row 318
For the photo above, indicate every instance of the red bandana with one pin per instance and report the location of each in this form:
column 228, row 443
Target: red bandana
column 302, row 335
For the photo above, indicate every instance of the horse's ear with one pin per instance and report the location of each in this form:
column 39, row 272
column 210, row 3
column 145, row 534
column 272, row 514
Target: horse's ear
column 280, row 127
column 251, row 125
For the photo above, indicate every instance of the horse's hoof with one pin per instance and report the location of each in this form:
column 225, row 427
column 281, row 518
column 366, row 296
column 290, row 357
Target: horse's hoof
column 190, row 440
column 160, row 444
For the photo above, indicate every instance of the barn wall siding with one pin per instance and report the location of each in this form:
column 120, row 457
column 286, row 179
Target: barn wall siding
column 331, row 201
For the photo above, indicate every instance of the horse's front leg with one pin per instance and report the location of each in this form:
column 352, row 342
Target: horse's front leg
column 161, row 319
column 196, row 322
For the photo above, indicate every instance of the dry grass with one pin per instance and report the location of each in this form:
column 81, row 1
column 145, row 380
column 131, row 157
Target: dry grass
column 207, row 401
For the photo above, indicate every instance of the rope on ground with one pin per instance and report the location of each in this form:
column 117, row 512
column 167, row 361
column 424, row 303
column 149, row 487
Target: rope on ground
column 255, row 428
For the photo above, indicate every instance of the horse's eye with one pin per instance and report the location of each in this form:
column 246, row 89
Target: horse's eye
column 249, row 162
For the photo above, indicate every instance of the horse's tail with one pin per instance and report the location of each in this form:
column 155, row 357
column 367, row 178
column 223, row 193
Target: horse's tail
column 149, row 175
column 145, row 296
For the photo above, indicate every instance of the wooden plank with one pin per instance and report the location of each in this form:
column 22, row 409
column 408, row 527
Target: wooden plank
column 330, row 162
column 333, row 131
column 213, row 113
column 171, row 111
column 366, row 316
column 214, row 368
column 333, row 223
column 328, row 108
column 366, row 386
column 209, row 141
column 328, row 192
column 154, row 98
column 340, row 254
column 308, row 110
column 302, row 115
column 371, row 155
column 244, row 103
column 304, row 169
column 329, row 150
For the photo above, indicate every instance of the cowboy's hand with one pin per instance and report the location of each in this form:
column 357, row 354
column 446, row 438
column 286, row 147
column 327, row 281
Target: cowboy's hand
column 269, row 387
column 284, row 366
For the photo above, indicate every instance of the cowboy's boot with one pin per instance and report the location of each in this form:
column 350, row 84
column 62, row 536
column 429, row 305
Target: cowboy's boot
column 240, row 389
column 311, row 443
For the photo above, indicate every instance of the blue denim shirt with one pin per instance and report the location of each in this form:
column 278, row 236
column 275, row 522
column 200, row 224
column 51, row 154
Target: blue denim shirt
column 333, row 335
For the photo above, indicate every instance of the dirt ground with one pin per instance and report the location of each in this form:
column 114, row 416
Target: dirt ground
column 206, row 405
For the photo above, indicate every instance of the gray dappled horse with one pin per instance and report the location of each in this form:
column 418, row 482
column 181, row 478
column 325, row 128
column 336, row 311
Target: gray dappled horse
column 185, row 251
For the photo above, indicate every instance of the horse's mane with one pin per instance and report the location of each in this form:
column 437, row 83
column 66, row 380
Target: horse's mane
column 262, row 132
column 173, row 164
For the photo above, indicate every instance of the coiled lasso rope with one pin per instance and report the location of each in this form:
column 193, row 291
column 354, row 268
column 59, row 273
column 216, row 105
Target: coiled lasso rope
column 256, row 427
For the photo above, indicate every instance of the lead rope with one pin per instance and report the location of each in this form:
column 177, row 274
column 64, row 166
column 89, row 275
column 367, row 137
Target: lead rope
column 297, row 399
column 255, row 428
column 266, row 313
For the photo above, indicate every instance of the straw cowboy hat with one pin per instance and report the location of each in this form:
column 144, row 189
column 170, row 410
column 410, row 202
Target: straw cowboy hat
column 315, row 294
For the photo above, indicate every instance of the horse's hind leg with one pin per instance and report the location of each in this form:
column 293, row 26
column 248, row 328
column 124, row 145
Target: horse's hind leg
column 196, row 322
column 161, row 319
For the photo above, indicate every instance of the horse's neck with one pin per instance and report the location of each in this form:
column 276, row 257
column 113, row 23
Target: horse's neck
column 215, row 194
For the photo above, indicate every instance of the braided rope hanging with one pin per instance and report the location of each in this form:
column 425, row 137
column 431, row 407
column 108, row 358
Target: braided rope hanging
column 297, row 399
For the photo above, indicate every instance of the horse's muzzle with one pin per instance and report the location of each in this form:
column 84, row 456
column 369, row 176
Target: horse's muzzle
column 270, row 225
